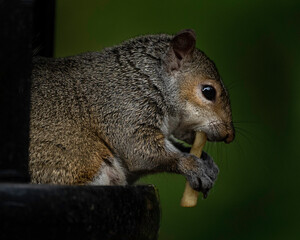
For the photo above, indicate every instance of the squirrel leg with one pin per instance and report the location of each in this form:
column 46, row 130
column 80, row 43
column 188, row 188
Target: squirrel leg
column 86, row 160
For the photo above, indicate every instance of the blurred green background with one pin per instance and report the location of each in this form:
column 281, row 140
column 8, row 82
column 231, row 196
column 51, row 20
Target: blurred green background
column 255, row 45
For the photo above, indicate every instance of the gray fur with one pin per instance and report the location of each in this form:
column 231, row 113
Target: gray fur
column 123, row 100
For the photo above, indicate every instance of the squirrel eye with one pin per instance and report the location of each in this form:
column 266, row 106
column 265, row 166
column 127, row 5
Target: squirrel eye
column 209, row 92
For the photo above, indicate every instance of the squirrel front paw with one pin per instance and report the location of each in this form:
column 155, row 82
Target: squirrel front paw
column 201, row 173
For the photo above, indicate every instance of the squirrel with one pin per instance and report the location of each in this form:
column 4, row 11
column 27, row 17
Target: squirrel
column 108, row 118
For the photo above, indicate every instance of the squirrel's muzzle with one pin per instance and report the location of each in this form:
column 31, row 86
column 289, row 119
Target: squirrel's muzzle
column 221, row 133
column 230, row 134
column 229, row 138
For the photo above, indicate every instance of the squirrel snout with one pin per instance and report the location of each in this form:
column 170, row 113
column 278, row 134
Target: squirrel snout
column 230, row 135
column 229, row 138
column 221, row 133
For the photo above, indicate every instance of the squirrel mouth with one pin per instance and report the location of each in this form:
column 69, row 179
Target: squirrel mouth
column 180, row 144
column 185, row 147
column 183, row 139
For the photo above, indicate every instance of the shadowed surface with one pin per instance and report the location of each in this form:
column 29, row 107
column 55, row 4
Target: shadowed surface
column 78, row 212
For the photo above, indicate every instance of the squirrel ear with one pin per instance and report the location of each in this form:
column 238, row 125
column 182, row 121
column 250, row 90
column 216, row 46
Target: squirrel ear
column 182, row 45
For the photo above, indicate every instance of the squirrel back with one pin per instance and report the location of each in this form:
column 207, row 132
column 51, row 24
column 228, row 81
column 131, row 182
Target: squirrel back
column 107, row 117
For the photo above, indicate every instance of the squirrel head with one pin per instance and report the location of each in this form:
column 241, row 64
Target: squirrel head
column 204, row 103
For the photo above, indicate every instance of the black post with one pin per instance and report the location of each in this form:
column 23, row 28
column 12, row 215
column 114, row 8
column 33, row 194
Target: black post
column 26, row 27
column 15, row 70
column 43, row 28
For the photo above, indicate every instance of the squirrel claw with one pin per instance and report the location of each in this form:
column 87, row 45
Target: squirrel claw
column 205, row 194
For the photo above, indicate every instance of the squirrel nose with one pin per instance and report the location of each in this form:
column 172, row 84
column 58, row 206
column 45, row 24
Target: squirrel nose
column 230, row 136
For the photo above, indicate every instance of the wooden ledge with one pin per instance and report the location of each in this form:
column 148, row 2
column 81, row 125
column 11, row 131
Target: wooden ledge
column 31, row 211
